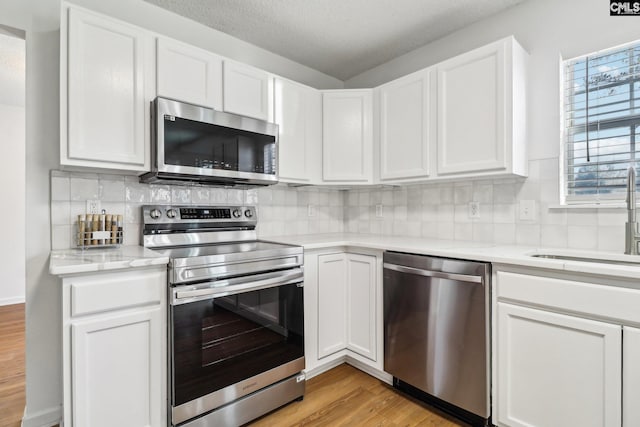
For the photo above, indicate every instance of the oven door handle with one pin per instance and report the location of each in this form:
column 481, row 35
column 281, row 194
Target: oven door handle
column 223, row 289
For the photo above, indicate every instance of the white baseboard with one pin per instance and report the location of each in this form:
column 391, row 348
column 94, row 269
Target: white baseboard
column 376, row 373
column 12, row 300
column 46, row 418
column 381, row 375
column 325, row 367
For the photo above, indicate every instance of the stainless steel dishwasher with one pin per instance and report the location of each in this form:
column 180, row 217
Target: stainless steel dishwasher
column 436, row 332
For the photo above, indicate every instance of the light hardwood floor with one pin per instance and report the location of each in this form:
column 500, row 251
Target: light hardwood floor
column 345, row 396
column 12, row 395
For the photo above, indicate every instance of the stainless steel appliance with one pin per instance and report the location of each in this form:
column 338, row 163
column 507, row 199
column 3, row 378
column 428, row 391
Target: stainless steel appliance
column 194, row 143
column 236, row 320
column 436, row 332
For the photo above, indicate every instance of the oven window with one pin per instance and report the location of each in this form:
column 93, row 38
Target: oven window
column 202, row 145
column 222, row 341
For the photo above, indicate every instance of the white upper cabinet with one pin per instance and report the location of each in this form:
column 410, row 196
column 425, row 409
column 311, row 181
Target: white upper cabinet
column 405, row 125
column 481, row 112
column 347, row 141
column 189, row 74
column 298, row 113
column 107, row 84
column 248, row 91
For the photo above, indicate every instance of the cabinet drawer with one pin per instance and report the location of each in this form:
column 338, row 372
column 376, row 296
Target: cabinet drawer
column 112, row 291
column 591, row 299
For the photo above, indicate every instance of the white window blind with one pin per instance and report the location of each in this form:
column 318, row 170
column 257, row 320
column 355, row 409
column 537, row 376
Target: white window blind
column 602, row 123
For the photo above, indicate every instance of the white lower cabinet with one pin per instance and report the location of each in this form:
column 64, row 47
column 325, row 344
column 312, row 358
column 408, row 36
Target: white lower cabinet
column 361, row 305
column 342, row 303
column 347, row 304
column 332, row 304
column 566, row 349
column 630, row 376
column 557, row 370
column 114, row 348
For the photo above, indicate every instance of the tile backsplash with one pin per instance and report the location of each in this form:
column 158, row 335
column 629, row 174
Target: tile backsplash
column 282, row 210
column 442, row 211
column 433, row 210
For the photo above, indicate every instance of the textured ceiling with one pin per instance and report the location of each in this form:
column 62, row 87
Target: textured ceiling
column 341, row 38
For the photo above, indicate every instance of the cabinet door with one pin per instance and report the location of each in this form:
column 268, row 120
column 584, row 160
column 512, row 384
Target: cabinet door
column 404, row 127
column 247, row 90
column 347, row 136
column 107, row 94
column 117, row 370
column 472, row 112
column 361, row 300
column 557, row 370
column 332, row 304
column 631, row 377
column 189, row 74
column 298, row 113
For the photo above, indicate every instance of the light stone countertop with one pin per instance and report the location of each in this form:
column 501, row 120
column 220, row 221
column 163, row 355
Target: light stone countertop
column 73, row 261
column 476, row 251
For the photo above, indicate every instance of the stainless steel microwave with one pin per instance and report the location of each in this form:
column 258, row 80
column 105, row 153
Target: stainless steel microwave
column 198, row 144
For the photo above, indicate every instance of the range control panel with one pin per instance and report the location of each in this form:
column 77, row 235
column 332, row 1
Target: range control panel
column 159, row 214
column 205, row 213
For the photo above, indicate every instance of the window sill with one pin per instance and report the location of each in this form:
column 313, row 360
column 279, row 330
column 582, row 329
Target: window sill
column 616, row 205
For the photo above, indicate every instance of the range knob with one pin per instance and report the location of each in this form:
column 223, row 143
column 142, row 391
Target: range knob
column 248, row 213
column 237, row 213
column 155, row 213
column 171, row 213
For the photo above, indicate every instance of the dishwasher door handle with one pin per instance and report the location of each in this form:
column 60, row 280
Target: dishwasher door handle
column 429, row 273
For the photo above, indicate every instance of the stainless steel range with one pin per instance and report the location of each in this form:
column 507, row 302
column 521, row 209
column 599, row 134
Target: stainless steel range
column 236, row 321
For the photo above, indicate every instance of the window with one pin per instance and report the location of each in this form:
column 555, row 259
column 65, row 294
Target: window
column 601, row 123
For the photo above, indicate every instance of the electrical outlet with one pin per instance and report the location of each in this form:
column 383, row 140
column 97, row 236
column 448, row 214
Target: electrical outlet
column 93, row 207
column 474, row 210
column 527, row 210
column 379, row 213
column 311, row 210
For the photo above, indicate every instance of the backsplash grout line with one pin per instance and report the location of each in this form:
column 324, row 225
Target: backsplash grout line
column 429, row 210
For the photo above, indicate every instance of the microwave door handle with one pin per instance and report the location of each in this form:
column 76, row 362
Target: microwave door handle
column 256, row 285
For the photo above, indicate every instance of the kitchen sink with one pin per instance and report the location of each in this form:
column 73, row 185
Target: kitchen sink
column 633, row 261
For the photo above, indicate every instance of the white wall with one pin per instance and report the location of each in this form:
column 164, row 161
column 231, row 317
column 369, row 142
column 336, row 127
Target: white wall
column 12, row 173
column 549, row 30
column 546, row 28
column 41, row 21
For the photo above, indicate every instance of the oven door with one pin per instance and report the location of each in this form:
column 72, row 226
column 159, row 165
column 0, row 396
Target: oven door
column 232, row 337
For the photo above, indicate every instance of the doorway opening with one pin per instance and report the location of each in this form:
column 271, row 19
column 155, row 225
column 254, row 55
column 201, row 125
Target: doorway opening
column 12, row 254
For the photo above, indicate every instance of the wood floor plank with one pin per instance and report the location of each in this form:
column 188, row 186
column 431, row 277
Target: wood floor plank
column 343, row 396
column 12, row 378
column 346, row 396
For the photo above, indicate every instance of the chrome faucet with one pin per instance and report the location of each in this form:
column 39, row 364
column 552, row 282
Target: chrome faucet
column 631, row 236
